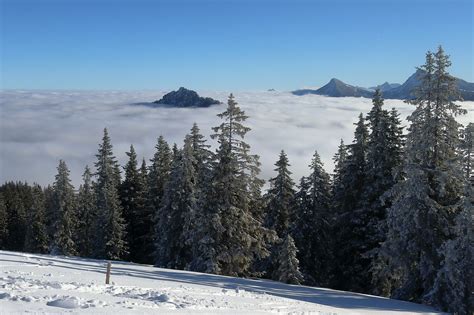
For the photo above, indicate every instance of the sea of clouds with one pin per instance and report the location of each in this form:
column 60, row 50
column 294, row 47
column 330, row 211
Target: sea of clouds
column 37, row 128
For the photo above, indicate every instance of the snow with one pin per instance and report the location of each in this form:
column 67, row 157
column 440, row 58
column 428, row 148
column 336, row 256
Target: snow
column 44, row 284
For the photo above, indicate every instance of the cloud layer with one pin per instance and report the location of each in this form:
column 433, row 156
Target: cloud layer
column 37, row 128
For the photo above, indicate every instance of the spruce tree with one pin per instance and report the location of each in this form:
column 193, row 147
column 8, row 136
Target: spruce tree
column 426, row 202
column 311, row 230
column 231, row 237
column 141, row 247
column 17, row 199
column 288, row 265
column 87, row 215
column 467, row 150
column 339, row 160
column 158, row 177
column 110, row 226
column 280, row 198
column 367, row 220
column 338, row 190
column 454, row 284
column 3, row 223
column 65, row 223
column 279, row 208
column 203, row 158
column 396, row 143
column 50, row 210
column 36, row 239
column 132, row 196
column 347, row 198
column 175, row 151
column 177, row 214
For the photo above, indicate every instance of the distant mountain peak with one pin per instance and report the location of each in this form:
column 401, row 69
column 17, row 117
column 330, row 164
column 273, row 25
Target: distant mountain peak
column 337, row 88
column 186, row 98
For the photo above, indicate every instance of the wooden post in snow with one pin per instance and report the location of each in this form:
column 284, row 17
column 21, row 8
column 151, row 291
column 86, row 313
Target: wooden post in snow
column 107, row 275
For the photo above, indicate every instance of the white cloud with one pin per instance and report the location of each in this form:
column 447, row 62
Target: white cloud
column 40, row 127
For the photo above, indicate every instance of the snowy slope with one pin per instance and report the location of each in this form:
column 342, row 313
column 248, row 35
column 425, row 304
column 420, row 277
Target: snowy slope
column 55, row 284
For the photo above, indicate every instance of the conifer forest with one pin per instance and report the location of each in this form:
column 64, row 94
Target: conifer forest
column 394, row 218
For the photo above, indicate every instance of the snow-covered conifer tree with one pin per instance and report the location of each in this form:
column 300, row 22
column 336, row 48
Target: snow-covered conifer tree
column 347, row 198
column 426, row 203
column 279, row 209
column 36, row 238
column 143, row 219
column 231, row 238
column 467, row 150
column 158, row 176
column 203, row 157
column 65, row 223
column 311, row 229
column 3, row 222
column 367, row 226
column 454, row 284
column 86, row 212
column 339, row 159
column 177, row 213
column 132, row 196
column 288, row 266
column 110, row 226
column 280, row 198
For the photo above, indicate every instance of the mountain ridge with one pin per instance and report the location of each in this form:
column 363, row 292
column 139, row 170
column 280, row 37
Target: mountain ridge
column 338, row 88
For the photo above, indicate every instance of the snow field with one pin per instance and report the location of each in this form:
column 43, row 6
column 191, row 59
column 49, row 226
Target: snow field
column 43, row 284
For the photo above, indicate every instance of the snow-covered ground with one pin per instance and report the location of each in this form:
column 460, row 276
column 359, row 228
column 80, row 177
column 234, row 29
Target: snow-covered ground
column 42, row 284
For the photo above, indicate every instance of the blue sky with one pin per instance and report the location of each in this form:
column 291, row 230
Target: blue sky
column 226, row 45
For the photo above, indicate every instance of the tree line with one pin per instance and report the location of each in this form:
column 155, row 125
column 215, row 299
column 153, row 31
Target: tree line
column 394, row 219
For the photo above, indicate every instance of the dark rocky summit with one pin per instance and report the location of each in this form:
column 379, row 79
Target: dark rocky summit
column 186, row 98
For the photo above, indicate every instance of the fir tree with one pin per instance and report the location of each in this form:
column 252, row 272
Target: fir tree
column 17, row 199
column 280, row 198
column 396, row 143
column 158, row 177
column 231, row 237
column 339, row 160
column 36, row 239
column 177, row 214
column 346, row 200
column 279, row 208
column 454, row 284
column 3, row 222
column 367, row 221
column 64, row 227
column 175, row 151
column 87, row 215
column 312, row 226
column 50, row 210
column 467, row 150
column 288, row 269
column 203, row 158
column 143, row 221
column 203, row 166
column 132, row 196
column 426, row 202
column 110, row 226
